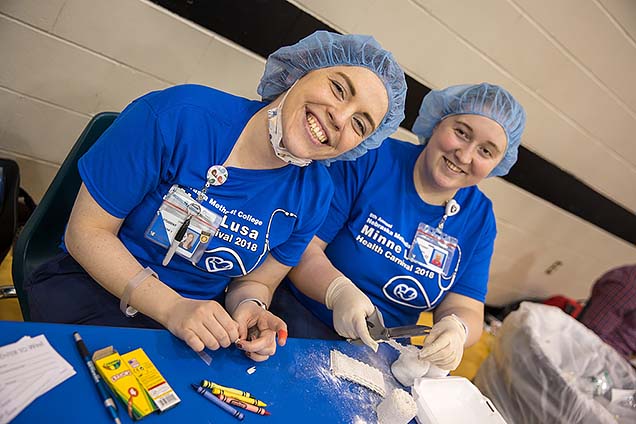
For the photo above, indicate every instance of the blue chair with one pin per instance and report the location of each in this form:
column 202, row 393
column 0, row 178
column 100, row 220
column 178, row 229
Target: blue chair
column 40, row 238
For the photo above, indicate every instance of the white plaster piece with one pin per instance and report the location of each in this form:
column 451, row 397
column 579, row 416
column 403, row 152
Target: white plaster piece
column 351, row 369
column 398, row 407
column 408, row 366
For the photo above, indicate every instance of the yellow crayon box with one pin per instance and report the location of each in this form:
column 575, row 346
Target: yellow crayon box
column 151, row 380
column 123, row 382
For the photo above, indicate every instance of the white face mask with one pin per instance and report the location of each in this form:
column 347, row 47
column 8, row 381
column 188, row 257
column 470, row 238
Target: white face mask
column 275, row 121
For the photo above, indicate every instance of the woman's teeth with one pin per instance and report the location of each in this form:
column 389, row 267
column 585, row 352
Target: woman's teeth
column 452, row 166
column 315, row 129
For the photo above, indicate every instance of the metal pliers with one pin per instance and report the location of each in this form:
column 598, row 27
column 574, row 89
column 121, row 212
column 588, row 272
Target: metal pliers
column 378, row 332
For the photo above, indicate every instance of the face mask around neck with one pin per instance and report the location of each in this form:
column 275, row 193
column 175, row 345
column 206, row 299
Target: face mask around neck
column 275, row 122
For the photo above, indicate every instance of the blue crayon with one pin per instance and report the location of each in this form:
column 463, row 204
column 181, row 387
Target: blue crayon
column 218, row 402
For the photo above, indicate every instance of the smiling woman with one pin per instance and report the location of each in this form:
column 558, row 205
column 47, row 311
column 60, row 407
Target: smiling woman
column 408, row 229
column 334, row 109
column 216, row 197
column 344, row 69
column 463, row 150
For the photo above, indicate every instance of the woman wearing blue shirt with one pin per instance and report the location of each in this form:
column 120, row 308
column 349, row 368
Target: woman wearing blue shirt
column 235, row 176
column 408, row 229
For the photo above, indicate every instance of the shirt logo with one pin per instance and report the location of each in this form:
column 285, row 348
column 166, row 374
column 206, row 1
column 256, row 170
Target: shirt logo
column 404, row 292
column 216, row 264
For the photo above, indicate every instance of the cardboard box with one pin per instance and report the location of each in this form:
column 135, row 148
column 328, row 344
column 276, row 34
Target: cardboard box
column 151, row 379
column 123, row 383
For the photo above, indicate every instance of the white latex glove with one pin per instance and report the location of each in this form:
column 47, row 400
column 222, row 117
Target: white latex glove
column 350, row 309
column 444, row 346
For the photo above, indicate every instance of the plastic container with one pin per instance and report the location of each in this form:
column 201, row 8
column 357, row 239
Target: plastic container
column 452, row 400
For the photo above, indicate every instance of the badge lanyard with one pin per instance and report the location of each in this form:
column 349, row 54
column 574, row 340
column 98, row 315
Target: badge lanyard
column 432, row 247
column 182, row 224
column 452, row 208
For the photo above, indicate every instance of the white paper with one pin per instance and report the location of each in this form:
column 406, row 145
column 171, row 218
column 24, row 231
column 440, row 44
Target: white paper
column 29, row 368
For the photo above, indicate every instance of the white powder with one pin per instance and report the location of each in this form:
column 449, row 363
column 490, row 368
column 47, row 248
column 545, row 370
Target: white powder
column 354, row 403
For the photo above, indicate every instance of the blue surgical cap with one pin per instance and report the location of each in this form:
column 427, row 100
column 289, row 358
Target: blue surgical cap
column 483, row 99
column 323, row 49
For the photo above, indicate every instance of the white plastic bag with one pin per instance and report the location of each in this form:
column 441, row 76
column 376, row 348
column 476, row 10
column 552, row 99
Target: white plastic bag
column 546, row 367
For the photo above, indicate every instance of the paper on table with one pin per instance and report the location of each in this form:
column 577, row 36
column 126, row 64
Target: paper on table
column 29, row 368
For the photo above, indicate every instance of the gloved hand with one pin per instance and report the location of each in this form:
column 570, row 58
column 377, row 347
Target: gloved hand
column 350, row 309
column 444, row 346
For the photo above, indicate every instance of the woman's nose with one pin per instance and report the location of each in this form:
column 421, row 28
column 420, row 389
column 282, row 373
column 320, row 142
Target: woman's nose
column 464, row 154
column 334, row 119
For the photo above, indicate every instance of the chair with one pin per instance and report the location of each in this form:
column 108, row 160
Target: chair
column 9, row 188
column 40, row 238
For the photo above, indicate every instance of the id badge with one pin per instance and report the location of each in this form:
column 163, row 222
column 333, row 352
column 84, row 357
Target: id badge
column 433, row 248
column 175, row 208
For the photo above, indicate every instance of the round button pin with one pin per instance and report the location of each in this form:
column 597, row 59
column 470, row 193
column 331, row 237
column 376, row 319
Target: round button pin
column 217, row 175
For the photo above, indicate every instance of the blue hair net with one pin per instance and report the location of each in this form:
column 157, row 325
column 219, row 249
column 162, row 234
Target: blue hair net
column 323, row 49
column 483, row 99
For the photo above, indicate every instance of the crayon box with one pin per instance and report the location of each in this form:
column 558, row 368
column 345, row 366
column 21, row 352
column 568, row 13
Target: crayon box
column 123, row 383
column 151, row 380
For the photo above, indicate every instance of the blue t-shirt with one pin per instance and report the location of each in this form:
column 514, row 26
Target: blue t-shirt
column 373, row 218
column 173, row 137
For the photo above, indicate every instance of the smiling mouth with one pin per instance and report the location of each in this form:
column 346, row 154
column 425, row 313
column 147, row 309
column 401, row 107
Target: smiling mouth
column 316, row 130
column 453, row 167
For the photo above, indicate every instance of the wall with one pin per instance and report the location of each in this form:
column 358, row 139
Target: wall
column 567, row 61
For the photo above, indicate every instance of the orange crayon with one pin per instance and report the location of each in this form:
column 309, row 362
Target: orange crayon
column 240, row 404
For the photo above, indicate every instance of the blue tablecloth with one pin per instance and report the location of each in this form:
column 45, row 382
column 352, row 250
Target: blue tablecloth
column 296, row 382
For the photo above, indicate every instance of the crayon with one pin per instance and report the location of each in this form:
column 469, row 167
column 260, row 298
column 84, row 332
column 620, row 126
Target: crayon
column 210, row 385
column 224, row 406
column 250, row 401
column 235, row 402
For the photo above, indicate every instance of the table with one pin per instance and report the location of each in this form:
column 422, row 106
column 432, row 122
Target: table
column 296, row 382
